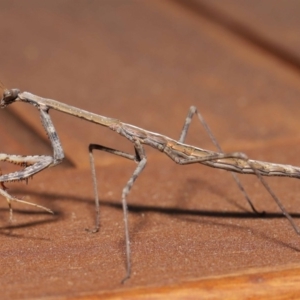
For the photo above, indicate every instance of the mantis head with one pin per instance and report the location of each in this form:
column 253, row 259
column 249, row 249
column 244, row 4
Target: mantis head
column 9, row 96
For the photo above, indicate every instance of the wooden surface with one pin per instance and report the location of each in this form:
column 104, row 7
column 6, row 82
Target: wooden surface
column 146, row 63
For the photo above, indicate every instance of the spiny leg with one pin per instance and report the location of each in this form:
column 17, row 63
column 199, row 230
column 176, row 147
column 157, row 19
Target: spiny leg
column 141, row 160
column 33, row 164
column 9, row 198
column 193, row 110
column 36, row 163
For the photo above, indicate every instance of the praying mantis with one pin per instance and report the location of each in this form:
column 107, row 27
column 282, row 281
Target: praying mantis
column 178, row 151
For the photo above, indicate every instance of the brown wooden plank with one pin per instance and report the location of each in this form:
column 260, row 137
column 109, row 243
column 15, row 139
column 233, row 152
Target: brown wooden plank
column 261, row 284
column 146, row 63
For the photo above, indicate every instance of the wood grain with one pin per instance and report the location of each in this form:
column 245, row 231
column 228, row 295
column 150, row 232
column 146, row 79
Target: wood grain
column 145, row 62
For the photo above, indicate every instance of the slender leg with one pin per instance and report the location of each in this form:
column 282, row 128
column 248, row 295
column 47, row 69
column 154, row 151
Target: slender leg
column 276, row 199
column 9, row 198
column 141, row 160
column 193, row 110
column 93, row 169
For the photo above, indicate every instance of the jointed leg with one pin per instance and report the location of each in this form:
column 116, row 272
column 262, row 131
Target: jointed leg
column 242, row 156
column 36, row 163
column 58, row 152
column 93, row 169
column 141, row 160
column 32, row 164
column 9, row 198
column 193, row 110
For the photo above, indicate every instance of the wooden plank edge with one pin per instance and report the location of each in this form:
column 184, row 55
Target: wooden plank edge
column 266, row 283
